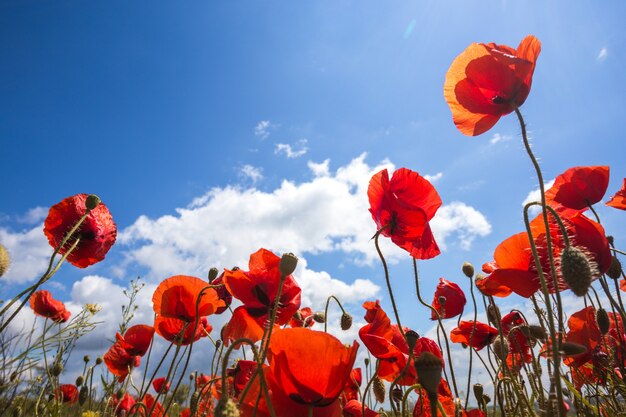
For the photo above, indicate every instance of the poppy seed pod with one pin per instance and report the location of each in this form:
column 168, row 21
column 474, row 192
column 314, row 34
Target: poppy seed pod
column 193, row 402
column 92, row 201
column 428, row 367
column 83, row 394
column 576, row 270
column 603, row 320
column 288, row 263
column 98, row 360
column 411, row 339
column 5, row 260
column 468, row 269
column 86, row 358
column 614, row 272
column 500, row 348
column 79, row 380
column 379, row 389
column 346, row 321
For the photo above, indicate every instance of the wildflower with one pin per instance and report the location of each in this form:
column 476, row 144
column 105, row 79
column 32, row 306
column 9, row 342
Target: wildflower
column 455, row 300
column 351, row 389
column 618, row 200
column 128, row 349
column 483, row 334
column 44, row 305
column 487, row 81
column 185, row 298
column 302, row 318
column 257, row 289
column 67, row 393
column 402, row 208
column 181, row 332
column 161, row 385
column 579, row 187
column 97, row 233
column 354, row 408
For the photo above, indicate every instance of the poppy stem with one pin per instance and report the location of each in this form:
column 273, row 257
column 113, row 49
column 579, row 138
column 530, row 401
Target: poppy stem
column 326, row 310
column 367, row 387
column 393, row 301
column 469, row 373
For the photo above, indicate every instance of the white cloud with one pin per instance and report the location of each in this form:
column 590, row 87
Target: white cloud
column 296, row 151
column 319, row 169
column 30, row 253
column 434, row 178
column 262, row 129
column 535, row 195
column 497, row 137
column 603, row 54
column 34, row 215
column 459, row 219
column 252, row 173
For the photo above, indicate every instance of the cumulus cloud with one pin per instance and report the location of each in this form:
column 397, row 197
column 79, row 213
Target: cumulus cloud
column 291, row 152
column 319, row 169
column 29, row 251
column 460, row 220
column 535, row 195
column 34, row 215
column 434, row 178
column 497, row 137
column 603, row 54
column 251, row 173
column 262, row 129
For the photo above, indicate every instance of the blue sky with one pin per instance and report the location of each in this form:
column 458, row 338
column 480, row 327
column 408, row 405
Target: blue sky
column 188, row 119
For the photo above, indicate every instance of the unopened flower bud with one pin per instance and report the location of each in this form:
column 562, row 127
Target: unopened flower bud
column 478, row 392
column 212, row 274
column 346, row 321
column 537, row 332
column 366, row 361
column 500, row 348
column 98, row 360
column 56, row 370
column 319, row 317
column 79, row 380
column 468, row 269
column 288, row 263
column 411, row 339
column 610, row 239
column 5, row 260
column 603, row 320
column 379, row 389
column 86, row 358
column 92, row 201
column 83, row 394
column 615, row 270
column 493, row 315
column 119, row 394
column 218, row 343
column 428, row 367
column 576, row 270
column 572, row 349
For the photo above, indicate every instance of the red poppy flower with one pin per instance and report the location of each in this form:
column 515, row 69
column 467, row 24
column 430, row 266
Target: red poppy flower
column 619, row 199
column 351, row 390
column 402, row 208
column 484, row 334
column 514, row 269
column 177, row 297
column 579, row 187
column 44, row 305
column 385, row 342
column 354, row 408
column 485, row 80
column 172, row 330
column 161, row 385
column 97, row 232
column 454, row 300
column 136, row 339
column 151, row 404
column 67, row 393
column 444, row 396
column 122, row 407
column 257, row 289
column 310, row 367
column 242, row 373
column 119, row 361
column 302, row 318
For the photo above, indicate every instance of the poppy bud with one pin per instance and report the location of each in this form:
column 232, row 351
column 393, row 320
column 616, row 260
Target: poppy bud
column 83, row 394
column 576, row 270
column 537, row 332
column 56, row 370
column 428, row 367
column 493, row 314
column 5, row 260
column 212, row 274
column 193, row 402
column 98, row 360
column 319, row 317
column 379, row 389
column 79, row 380
column 500, row 348
column 367, row 361
column 120, row 393
column 218, row 343
column 92, row 201
column 572, row 349
column 86, row 358
column 411, row 339
column 603, row 320
column 610, row 239
column 615, row 270
column 288, row 263
column 346, row 321
column 468, row 269
column 14, row 376
column 478, row 392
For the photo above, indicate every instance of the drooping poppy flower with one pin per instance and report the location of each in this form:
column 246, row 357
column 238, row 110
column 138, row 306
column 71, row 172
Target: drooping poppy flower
column 579, row 187
column 351, row 390
column 181, row 332
column 67, row 393
column 453, row 297
column 486, row 81
column 402, row 208
column 44, row 305
column 354, row 408
column 97, row 233
column 161, row 385
column 484, row 334
column 513, row 269
column 302, row 318
column 185, row 298
column 385, row 342
column 136, row 340
column 618, row 200
column 310, row 367
column 257, row 290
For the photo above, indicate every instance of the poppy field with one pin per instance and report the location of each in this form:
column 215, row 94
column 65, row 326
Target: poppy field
column 276, row 357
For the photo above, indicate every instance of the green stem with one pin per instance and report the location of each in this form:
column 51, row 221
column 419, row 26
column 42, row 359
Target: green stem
column 393, row 301
column 326, row 310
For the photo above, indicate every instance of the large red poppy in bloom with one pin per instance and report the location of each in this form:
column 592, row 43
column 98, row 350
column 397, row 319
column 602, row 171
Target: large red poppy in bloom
column 178, row 296
column 486, row 80
column 44, row 305
column 484, row 334
column 402, row 208
column 181, row 332
column 97, row 233
column 454, row 300
column 127, row 351
column 513, row 268
column 309, row 366
column 618, row 201
column 579, row 187
column 385, row 342
column 257, row 290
